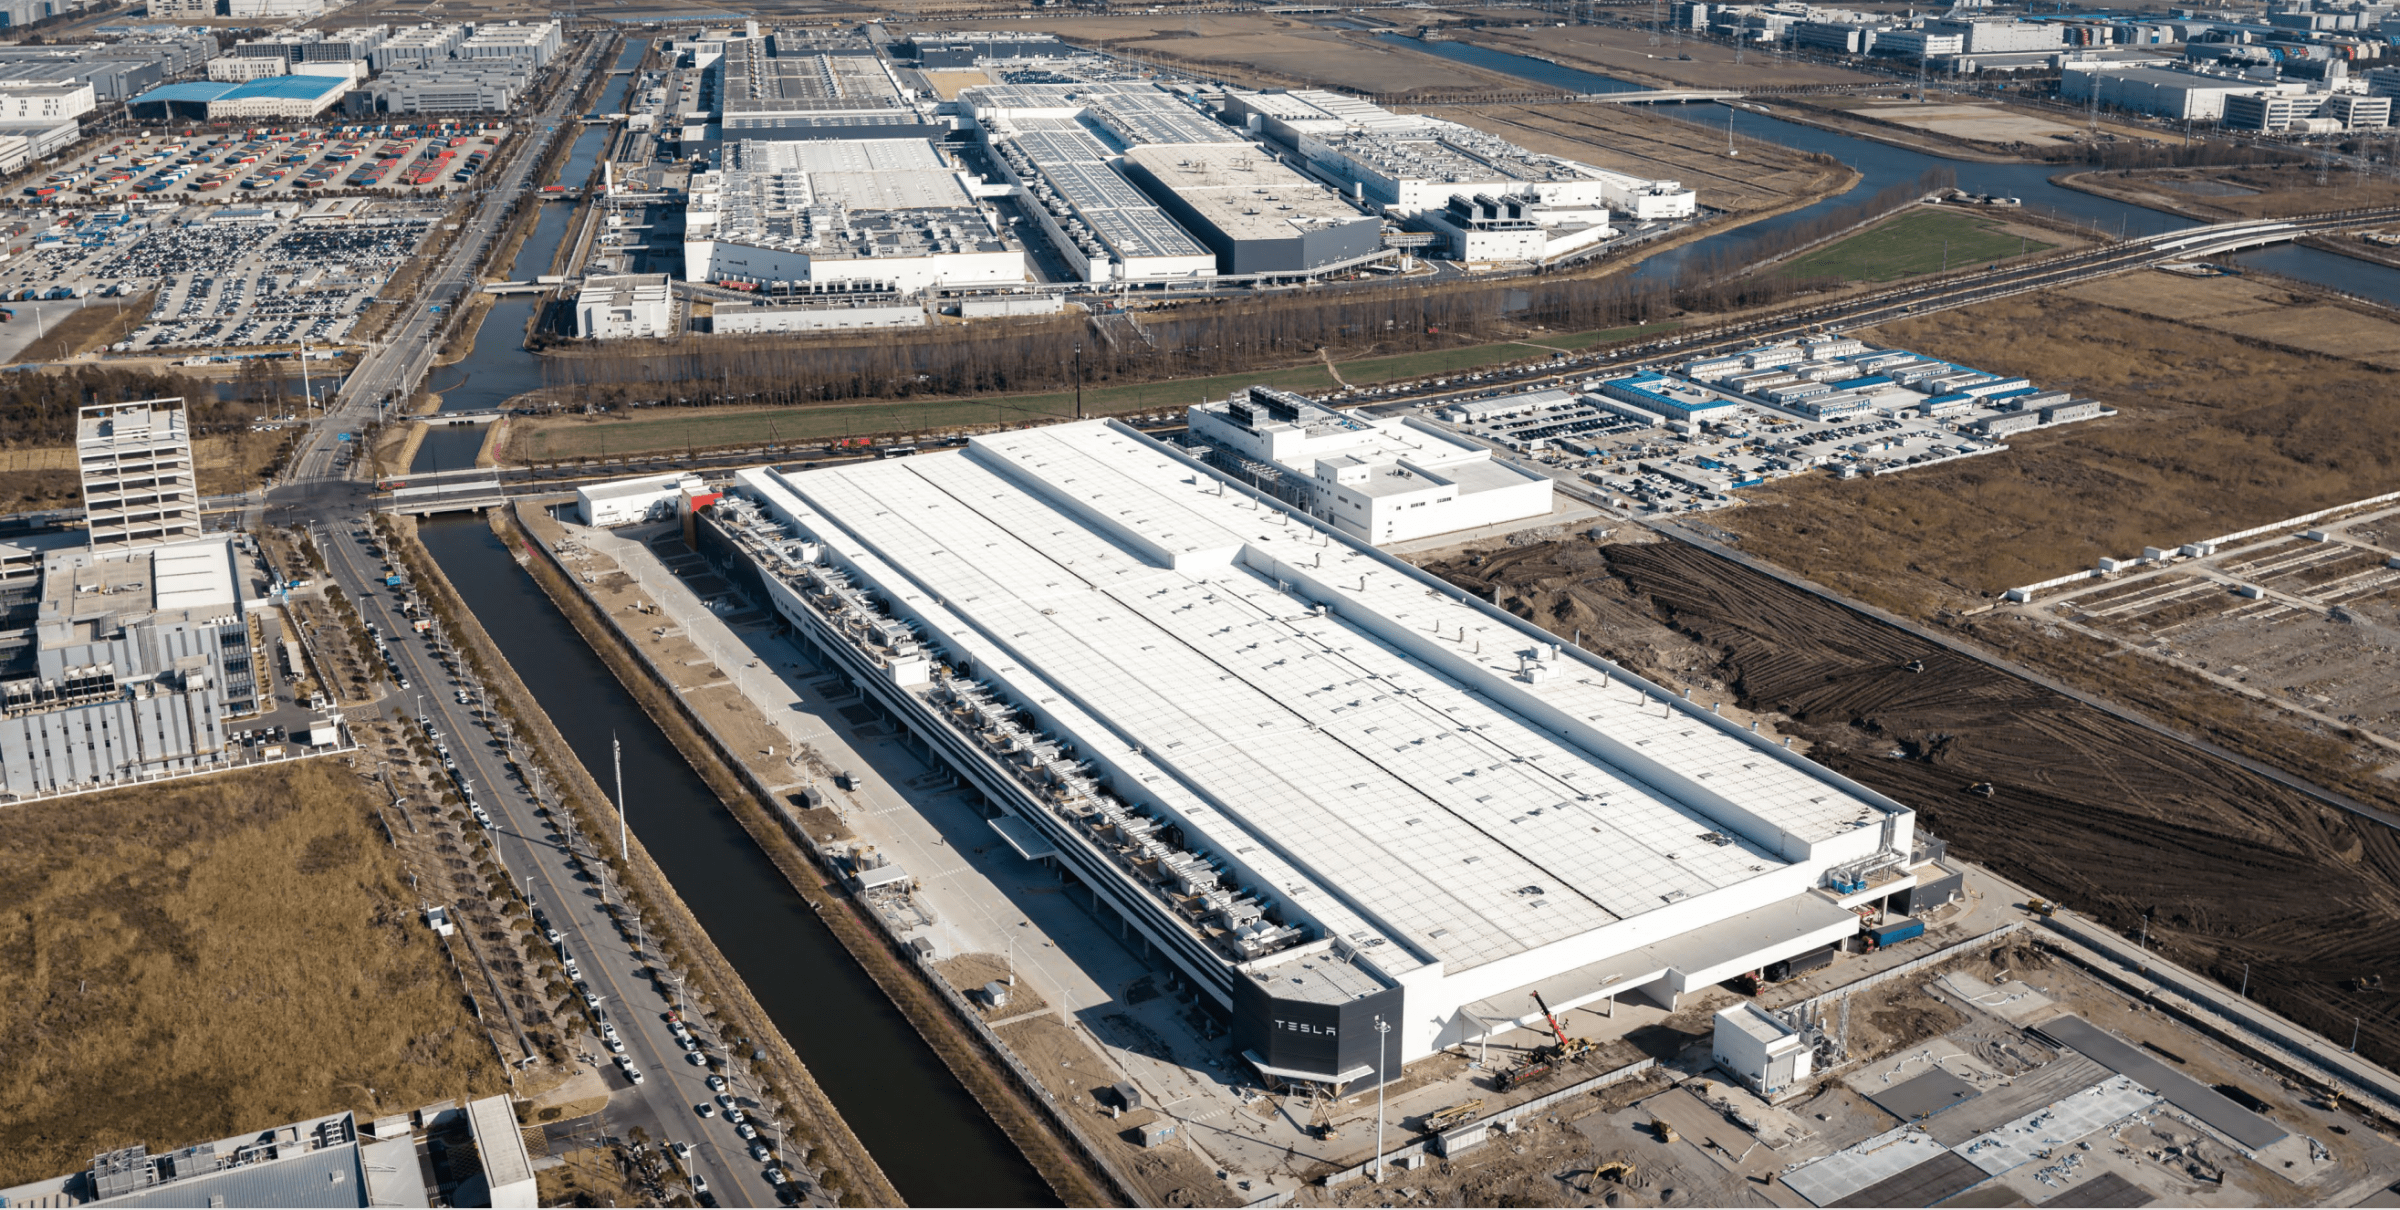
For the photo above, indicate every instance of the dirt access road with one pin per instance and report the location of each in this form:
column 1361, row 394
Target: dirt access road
column 2112, row 819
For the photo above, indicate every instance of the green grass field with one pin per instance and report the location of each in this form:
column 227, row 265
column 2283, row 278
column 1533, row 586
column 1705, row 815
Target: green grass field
column 1922, row 240
column 560, row 438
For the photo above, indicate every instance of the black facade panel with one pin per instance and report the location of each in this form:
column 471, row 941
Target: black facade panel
column 1312, row 1036
column 1932, row 892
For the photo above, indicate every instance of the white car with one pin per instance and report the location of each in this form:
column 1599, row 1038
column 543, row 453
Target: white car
column 697, row 1059
column 699, row 1183
column 774, row 1175
column 683, row 1151
column 704, row 1109
column 759, row 1152
column 746, row 1130
column 550, row 935
column 716, row 1083
column 615, row 1047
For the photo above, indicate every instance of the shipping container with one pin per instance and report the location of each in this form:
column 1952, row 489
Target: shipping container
column 1895, row 932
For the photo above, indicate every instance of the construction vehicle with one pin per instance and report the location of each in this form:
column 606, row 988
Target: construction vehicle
column 2041, row 907
column 1572, row 1050
column 1664, row 1129
column 1528, row 1069
column 1545, row 1059
column 1455, row 1115
column 1620, row 1170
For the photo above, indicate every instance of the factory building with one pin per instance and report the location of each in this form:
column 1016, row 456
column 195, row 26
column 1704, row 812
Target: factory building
column 530, row 46
column 2169, row 92
column 109, row 79
column 42, row 101
column 135, row 460
column 235, row 68
column 1514, row 227
column 1413, row 165
column 764, row 82
column 1380, row 481
column 1058, row 144
column 882, row 210
column 447, row 86
column 1984, row 36
column 1331, row 791
column 1256, row 214
column 623, row 306
column 647, row 498
column 1654, row 392
column 418, row 44
column 959, row 48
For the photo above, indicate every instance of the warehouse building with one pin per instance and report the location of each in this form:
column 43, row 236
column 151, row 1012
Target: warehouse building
column 1381, row 481
column 418, row 44
column 960, row 48
column 300, row 96
column 448, row 86
column 530, row 46
column 889, row 211
column 42, row 101
column 1257, row 215
column 758, row 83
column 634, row 501
column 109, row 79
column 1330, row 790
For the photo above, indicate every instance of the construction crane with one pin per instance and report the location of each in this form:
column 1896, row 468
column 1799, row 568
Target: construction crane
column 1544, row 1059
column 1572, row 1050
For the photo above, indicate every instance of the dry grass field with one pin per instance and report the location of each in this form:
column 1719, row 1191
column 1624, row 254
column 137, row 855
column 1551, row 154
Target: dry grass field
column 1271, row 50
column 2214, row 433
column 2240, row 193
column 91, row 327
column 40, row 477
column 1624, row 138
column 1628, row 55
column 188, row 960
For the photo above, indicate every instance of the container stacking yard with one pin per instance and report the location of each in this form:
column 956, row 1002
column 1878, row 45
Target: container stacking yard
column 1326, row 788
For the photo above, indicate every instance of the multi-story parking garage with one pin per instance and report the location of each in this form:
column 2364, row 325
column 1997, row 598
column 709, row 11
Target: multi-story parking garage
column 1328, row 789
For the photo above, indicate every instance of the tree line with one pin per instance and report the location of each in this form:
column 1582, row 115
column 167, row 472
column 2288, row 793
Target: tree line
column 38, row 408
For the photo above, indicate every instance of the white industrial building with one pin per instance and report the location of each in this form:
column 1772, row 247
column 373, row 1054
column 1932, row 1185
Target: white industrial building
column 1764, row 1053
column 532, row 45
column 233, row 69
column 1382, row 481
column 625, row 306
column 1410, row 164
column 1329, row 789
column 891, row 211
column 2172, row 92
column 43, row 100
column 633, row 501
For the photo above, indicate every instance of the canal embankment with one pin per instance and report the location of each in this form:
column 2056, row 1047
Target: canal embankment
column 834, row 1156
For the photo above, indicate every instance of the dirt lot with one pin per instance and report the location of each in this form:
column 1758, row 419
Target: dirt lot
column 1078, row 1079
column 2215, row 432
column 1625, row 139
column 38, row 477
column 1269, row 50
column 2238, row 193
column 197, row 958
column 1674, row 63
column 2107, row 817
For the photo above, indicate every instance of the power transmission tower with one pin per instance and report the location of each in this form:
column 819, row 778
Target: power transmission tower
column 1654, row 21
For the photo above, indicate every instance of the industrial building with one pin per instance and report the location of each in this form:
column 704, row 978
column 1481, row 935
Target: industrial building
column 290, row 96
column 760, row 84
column 881, row 210
column 1257, row 215
column 1380, row 481
column 1331, row 791
column 647, row 498
column 530, row 46
column 448, row 86
column 2172, row 92
column 1411, row 165
column 621, row 306
column 1048, row 141
column 960, row 48
column 418, row 44
column 1513, row 227
column 332, row 1161
column 42, row 101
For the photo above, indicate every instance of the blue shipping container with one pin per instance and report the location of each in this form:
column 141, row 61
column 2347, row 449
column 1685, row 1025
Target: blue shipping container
column 1895, row 932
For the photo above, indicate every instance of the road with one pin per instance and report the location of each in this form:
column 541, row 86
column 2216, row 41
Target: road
column 544, row 864
column 316, row 493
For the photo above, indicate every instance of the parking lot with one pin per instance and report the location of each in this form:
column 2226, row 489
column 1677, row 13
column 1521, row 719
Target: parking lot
column 228, row 277
column 272, row 163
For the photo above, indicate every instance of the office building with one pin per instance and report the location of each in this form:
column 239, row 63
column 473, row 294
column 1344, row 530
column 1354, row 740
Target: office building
column 1380, row 481
column 139, row 488
column 1330, row 791
column 235, row 68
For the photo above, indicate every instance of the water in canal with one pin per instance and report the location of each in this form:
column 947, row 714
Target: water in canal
column 498, row 366
column 932, row 1139
column 613, row 100
column 1880, row 166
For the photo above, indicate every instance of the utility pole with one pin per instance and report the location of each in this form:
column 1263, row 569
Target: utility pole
column 1079, row 380
column 616, row 757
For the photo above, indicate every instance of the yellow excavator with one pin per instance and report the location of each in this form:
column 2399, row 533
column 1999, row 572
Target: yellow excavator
column 1455, row 1115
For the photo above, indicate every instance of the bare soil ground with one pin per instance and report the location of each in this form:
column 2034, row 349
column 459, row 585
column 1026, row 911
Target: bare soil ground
column 1686, row 63
column 1625, row 139
column 1272, row 50
column 1078, row 1079
column 2112, row 819
column 969, row 972
column 2216, row 431
column 191, row 959
column 2239, row 193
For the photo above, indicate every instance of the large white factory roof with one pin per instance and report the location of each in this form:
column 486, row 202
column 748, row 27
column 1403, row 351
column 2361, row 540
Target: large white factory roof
column 1385, row 761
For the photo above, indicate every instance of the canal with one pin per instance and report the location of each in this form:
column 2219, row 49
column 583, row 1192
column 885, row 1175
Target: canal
column 933, row 1140
column 497, row 366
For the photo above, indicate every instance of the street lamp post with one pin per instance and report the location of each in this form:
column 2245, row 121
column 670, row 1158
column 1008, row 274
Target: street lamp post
column 1383, row 1037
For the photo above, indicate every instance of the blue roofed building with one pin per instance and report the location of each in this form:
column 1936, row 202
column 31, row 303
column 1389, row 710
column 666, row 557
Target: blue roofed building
column 1672, row 398
column 218, row 100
